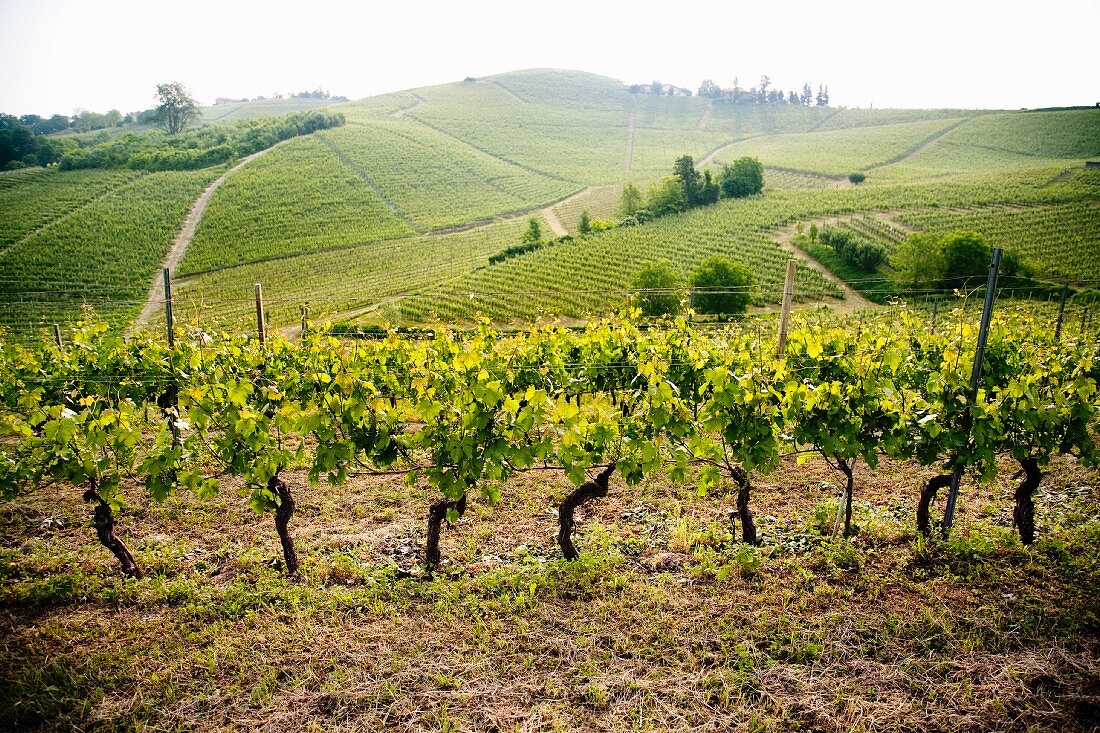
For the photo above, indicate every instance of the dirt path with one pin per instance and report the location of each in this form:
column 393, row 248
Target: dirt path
column 506, row 90
column 718, row 151
column 925, row 147
column 552, row 218
column 417, row 101
column 628, row 160
column 702, row 126
column 853, row 301
column 183, row 240
column 823, row 120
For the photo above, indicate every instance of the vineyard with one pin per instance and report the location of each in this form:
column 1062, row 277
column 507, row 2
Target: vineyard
column 445, row 454
column 102, row 252
column 333, row 219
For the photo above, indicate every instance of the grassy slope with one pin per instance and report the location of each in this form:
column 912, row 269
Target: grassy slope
column 260, row 108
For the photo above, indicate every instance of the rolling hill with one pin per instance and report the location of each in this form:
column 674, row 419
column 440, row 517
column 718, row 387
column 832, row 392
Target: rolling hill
column 392, row 217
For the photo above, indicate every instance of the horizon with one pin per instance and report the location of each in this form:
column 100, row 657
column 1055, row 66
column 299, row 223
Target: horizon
column 66, row 55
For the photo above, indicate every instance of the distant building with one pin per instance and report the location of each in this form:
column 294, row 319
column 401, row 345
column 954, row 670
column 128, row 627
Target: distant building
column 736, row 94
column 227, row 100
column 668, row 90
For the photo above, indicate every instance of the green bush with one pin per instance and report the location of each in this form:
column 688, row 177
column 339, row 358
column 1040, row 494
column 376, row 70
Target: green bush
column 857, row 178
column 658, row 284
column 864, row 254
column 744, row 178
column 722, row 286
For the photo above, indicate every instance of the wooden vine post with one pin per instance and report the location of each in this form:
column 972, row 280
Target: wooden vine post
column 975, row 377
column 785, row 314
column 261, row 330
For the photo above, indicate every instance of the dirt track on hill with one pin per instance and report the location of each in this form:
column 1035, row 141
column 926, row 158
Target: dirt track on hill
column 925, row 147
column 183, row 240
column 702, row 126
column 405, row 110
column 628, row 160
column 853, row 300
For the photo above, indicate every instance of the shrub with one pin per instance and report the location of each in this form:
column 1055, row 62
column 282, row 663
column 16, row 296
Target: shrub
column 725, row 286
column 744, row 178
column 857, row 178
column 966, row 257
column 658, row 283
column 863, row 254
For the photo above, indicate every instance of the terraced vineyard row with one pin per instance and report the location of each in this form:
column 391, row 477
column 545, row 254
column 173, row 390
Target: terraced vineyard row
column 434, row 181
column 107, row 256
column 29, row 201
column 1062, row 240
column 338, row 281
column 838, row 152
column 592, row 275
column 601, row 202
column 777, row 178
column 298, row 198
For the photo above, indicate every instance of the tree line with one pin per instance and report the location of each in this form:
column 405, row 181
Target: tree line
column 766, row 93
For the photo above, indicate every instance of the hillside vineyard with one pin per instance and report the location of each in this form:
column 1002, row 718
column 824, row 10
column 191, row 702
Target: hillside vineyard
column 391, row 216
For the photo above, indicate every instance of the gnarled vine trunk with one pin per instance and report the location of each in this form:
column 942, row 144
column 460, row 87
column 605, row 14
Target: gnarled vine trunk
column 284, row 510
column 436, row 514
column 927, row 496
column 744, row 488
column 1023, row 514
column 585, row 492
column 104, row 522
column 847, row 468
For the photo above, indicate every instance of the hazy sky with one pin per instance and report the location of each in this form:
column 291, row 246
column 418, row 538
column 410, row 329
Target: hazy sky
column 59, row 55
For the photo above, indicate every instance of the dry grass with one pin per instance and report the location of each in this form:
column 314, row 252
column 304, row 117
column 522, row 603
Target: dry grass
column 664, row 624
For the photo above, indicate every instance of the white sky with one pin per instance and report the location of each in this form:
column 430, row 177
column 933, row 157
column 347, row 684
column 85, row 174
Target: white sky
column 59, row 55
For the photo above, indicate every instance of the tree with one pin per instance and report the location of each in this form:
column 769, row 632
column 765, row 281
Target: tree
column 918, row 262
column 709, row 89
column 533, row 235
column 585, row 224
column 689, row 179
column 710, row 191
column 765, row 82
column 792, row 97
column 666, row 196
column 722, row 286
column 658, row 286
column 176, row 108
column 744, row 178
column 807, row 94
column 965, row 258
column 957, row 259
column 630, row 202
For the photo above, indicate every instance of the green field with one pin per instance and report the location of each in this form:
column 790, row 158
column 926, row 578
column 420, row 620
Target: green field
column 356, row 219
column 233, row 111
